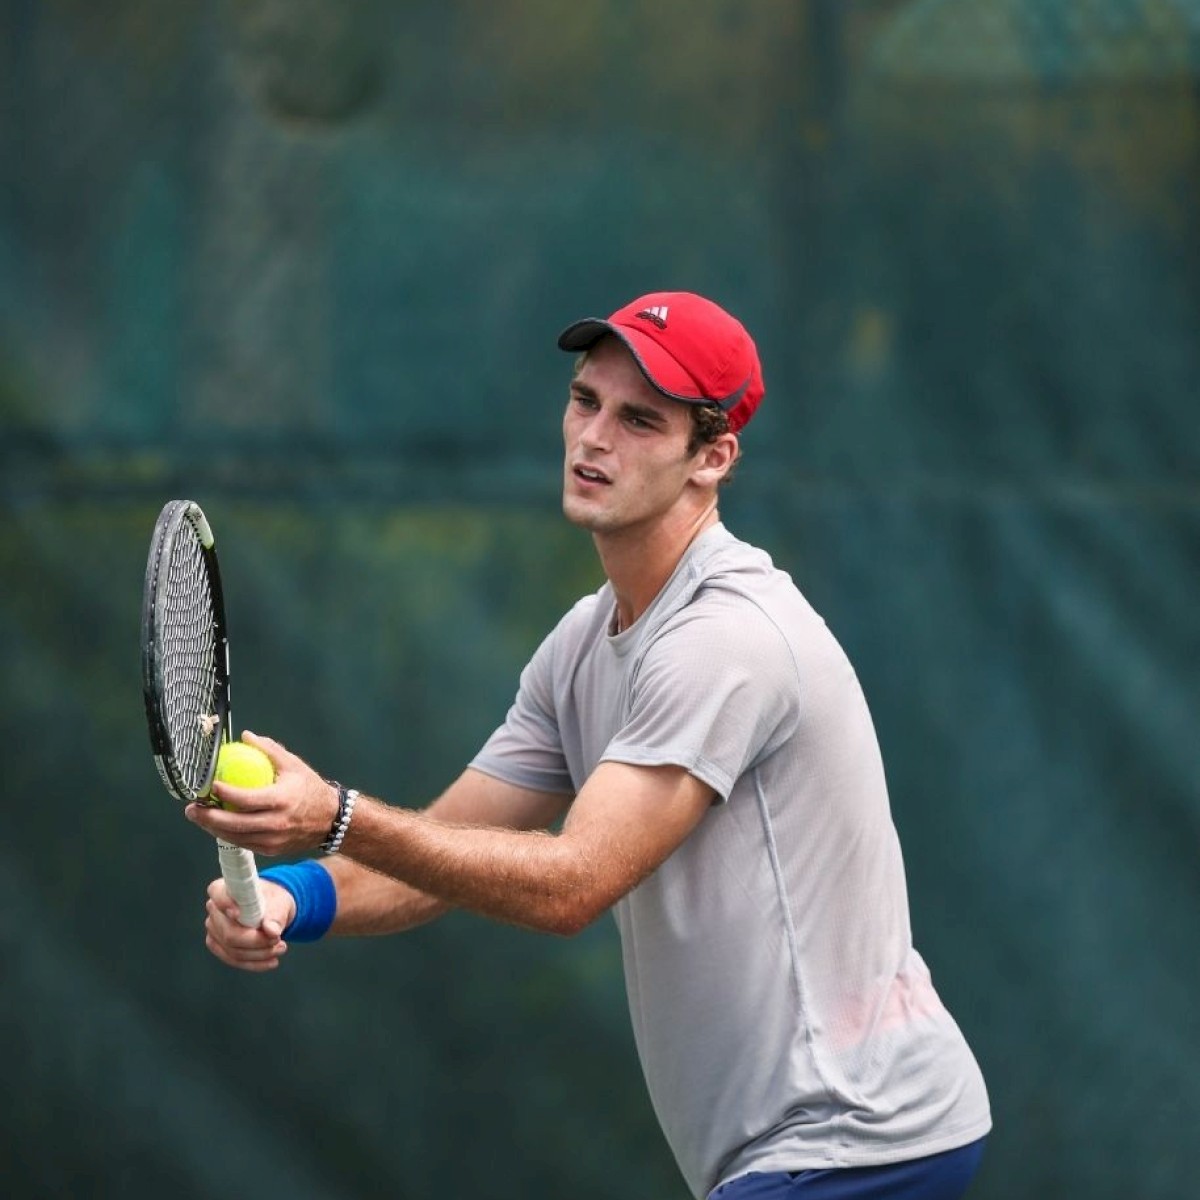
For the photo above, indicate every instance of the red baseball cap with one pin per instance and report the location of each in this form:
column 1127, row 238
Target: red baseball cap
column 688, row 348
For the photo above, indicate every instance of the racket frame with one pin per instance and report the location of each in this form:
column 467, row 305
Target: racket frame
column 237, row 864
column 169, row 526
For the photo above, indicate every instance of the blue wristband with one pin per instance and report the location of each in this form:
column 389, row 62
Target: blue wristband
column 313, row 889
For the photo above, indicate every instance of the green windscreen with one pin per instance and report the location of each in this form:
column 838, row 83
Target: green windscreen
column 305, row 263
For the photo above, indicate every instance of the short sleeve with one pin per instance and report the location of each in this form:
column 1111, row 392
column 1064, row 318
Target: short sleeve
column 715, row 692
column 527, row 749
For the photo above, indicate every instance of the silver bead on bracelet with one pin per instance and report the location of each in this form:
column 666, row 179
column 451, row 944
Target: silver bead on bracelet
column 337, row 831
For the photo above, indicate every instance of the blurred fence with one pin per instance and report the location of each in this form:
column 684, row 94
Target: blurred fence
column 305, row 262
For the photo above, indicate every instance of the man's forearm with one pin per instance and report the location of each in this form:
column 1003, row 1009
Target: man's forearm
column 524, row 877
column 371, row 903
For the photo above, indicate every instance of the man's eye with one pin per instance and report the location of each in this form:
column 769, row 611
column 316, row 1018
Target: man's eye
column 586, row 402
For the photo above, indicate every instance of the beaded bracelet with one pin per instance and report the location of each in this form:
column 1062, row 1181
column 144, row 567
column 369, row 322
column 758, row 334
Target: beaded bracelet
column 337, row 831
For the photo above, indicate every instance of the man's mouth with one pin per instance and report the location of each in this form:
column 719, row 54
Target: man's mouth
column 589, row 474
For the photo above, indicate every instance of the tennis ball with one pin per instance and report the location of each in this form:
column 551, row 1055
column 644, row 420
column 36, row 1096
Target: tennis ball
column 244, row 766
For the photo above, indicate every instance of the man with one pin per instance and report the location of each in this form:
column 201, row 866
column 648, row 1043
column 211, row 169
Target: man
column 706, row 746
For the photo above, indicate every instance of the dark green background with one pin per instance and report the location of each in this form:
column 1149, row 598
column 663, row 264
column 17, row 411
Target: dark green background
column 305, row 262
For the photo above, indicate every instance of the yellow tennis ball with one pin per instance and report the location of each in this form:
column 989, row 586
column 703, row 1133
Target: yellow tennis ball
column 244, row 766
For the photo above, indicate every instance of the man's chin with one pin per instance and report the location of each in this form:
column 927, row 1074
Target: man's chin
column 574, row 513
column 583, row 515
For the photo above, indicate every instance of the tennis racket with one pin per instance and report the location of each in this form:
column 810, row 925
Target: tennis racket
column 185, row 675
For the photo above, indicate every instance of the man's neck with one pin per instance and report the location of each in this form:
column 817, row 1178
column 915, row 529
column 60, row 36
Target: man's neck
column 638, row 562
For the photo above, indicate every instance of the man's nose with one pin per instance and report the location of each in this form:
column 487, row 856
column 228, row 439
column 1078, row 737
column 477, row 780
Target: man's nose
column 597, row 431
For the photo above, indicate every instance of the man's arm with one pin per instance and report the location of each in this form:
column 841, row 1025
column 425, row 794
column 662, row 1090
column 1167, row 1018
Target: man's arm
column 369, row 902
column 624, row 822
column 373, row 902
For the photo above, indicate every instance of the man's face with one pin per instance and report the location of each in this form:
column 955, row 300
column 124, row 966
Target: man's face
column 626, row 461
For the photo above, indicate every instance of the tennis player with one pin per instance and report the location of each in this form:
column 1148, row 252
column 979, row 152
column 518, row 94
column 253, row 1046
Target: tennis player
column 689, row 748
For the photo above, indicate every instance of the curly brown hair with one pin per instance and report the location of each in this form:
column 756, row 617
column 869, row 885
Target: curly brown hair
column 708, row 424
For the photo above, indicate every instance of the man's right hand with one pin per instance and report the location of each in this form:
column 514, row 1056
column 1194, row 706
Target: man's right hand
column 248, row 949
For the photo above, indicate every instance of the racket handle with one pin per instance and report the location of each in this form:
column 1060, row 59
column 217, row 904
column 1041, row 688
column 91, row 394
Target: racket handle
column 241, row 880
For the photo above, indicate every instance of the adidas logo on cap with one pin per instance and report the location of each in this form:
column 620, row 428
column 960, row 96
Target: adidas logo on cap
column 657, row 314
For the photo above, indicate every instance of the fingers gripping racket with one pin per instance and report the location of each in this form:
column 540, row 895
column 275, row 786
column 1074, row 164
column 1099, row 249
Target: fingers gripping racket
column 185, row 675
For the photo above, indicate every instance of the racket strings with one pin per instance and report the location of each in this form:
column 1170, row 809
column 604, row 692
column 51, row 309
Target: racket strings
column 190, row 657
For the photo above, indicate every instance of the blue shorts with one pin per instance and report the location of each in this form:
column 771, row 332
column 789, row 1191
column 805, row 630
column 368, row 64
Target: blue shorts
column 938, row 1177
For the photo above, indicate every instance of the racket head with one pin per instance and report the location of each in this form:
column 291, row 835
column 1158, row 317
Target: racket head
column 185, row 651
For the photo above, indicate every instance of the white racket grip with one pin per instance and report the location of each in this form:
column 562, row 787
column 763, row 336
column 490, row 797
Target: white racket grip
column 241, row 878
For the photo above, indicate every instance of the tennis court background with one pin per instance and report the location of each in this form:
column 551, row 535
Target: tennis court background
column 305, row 262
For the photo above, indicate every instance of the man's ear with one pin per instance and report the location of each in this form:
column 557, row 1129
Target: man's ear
column 714, row 460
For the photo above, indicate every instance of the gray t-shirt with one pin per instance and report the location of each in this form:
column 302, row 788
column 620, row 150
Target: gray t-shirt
column 783, row 1019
